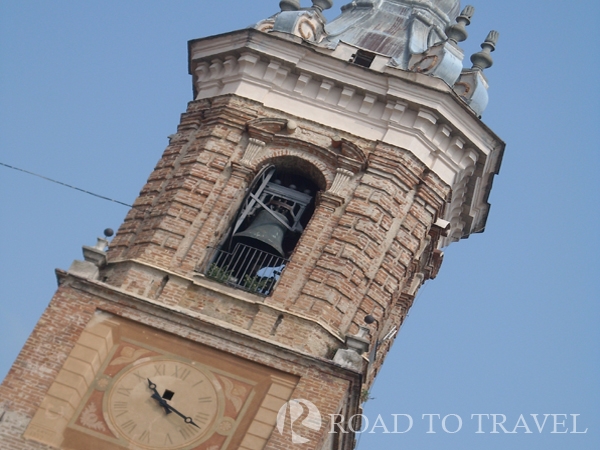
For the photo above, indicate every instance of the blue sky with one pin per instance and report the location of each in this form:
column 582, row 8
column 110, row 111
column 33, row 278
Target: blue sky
column 89, row 93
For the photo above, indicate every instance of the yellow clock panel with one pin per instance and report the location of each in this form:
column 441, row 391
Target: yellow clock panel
column 152, row 390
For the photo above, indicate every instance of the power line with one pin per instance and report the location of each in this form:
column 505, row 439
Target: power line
column 64, row 184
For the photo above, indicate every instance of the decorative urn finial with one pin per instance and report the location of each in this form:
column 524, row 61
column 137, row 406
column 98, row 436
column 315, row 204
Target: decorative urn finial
column 483, row 59
column 457, row 32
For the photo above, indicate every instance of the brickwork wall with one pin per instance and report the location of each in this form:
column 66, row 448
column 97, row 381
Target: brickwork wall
column 70, row 311
column 351, row 260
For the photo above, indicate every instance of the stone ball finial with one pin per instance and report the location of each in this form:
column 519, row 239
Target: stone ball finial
column 369, row 319
column 322, row 4
column 457, row 32
column 483, row 59
column 289, row 5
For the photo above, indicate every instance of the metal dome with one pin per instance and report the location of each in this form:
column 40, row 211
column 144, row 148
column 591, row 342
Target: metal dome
column 395, row 28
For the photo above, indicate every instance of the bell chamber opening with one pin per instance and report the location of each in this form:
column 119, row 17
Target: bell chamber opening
column 266, row 229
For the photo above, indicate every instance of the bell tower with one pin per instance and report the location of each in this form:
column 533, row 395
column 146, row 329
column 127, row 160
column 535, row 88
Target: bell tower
column 256, row 285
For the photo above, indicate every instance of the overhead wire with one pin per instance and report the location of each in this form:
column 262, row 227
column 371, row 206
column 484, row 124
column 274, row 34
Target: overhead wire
column 66, row 185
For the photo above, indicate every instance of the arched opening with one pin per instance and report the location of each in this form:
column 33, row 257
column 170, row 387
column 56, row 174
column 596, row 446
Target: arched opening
column 267, row 227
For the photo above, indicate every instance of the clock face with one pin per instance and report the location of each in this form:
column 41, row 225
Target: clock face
column 162, row 403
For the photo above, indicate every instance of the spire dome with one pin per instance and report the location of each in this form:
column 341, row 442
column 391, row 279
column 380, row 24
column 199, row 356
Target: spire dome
column 419, row 36
column 394, row 28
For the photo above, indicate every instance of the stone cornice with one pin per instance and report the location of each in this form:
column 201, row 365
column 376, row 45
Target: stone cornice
column 192, row 320
column 408, row 110
column 204, row 282
column 409, row 86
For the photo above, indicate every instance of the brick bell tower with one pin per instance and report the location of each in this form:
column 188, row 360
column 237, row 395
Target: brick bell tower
column 278, row 244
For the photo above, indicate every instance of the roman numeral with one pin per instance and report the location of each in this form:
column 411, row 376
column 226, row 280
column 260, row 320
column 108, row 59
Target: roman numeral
column 204, row 400
column 121, row 408
column 196, row 384
column 129, row 426
column 124, row 391
column 159, row 369
column 188, row 432
column 181, row 372
column 145, row 437
column 168, row 439
column 201, row 418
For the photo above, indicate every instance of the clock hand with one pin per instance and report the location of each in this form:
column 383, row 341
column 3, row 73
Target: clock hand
column 168, row 408
column 186, row 419
column 156, row 396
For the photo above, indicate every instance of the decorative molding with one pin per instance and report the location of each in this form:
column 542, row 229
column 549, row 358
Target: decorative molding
column 342, row 177
column 301, row 150
column 264, row 129
column 351, row 157
column 371, row 105
column 89, row 418
column 454, row 214
column 265, row 25
column 253, row 148
column 345, row 156
column 306, row 23
column 443, row 60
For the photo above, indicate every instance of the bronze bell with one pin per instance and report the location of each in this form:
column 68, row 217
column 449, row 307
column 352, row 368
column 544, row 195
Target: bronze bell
column 264, row 233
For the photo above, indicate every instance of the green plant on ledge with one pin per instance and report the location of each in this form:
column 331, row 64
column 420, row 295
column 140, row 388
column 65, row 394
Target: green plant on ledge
column 365, row 396
column 218, row 273
column 256, row 283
